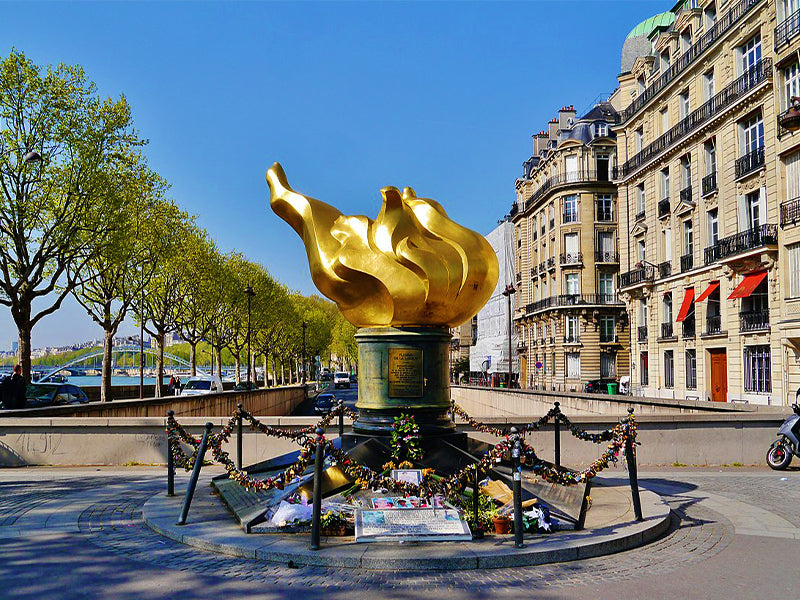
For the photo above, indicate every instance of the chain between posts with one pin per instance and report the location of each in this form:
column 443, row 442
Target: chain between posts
column 239, row 412
column 316, row 515
column 630, row 457
column 516, row 473
column 198, row 464
column 170, row 461
column 557, row 428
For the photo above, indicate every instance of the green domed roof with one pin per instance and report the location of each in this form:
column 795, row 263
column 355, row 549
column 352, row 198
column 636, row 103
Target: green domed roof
column 647, row 26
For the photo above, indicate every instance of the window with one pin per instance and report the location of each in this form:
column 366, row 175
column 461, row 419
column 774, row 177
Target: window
column 644, row 370
column 709, row 16
column 601, row 129
column 710, row 152
column 605, row 207
column 544, row 288
column 757, row 372
column 669, row 369
column 606, row 285
column 709, row 88
column 638, row 137
column 640, row 198
column 573, row 365
column 570, row 209
column 789, row 8
column 793, row 176
column 664, row 120
column 607, row 329
column 686, row 39
column 688, row 238
column 572, row 284
column 664, row 61
column 571, row 329
column 686, row 171
column 608, row 365
column 571, row 168
column 794, row 270
column 752, row 134
column 751, row 53
column 665, row 184
column 572, row 247
column 691, row 369
column 683, row 102
column 713, row 227
column 667, row 304
column 643, row 312
column 753, row 207
column 605, row 246
column 791, row 76
column 640, row 250
column 758, row 301
column 667, row 244
column 552, row 216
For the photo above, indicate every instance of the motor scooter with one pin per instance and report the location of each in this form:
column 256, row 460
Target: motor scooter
column 787, row 445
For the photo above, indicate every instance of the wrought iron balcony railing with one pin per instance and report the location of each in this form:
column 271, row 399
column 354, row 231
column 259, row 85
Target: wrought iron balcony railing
column 787, row 29
column 754, row 320
column 572, row 339
column 688, row 328
column 604, row 213
column 551, row 263
column 666, row 331
column 687, row 262
column 642, row 333
column 790, row 212
column 722, row 25
column 572, row 258
column 686, row 194
column 710, row 183
column 752, row 161
column 608, row 338
column 664, row 269
column 764, row 235
column 551, row 183
column 713, row 324
column 566, row 300
column 605, row 256
column 638, row 275
column 663, row 207
column 640, row 216
column 754, row 76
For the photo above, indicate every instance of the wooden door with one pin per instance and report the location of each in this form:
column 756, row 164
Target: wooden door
column 719, row 376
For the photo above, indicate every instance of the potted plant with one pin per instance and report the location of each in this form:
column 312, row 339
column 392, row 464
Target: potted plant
column 791, row 118
column 332, row 523
column 502, row 524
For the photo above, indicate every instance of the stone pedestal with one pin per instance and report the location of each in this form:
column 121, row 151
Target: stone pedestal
column 403, row 370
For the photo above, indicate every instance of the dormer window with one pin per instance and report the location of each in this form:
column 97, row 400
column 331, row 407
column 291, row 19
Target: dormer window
column 665, row 61
column 601, row 129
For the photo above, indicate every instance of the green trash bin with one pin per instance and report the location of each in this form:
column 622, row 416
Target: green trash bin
column 613, row 388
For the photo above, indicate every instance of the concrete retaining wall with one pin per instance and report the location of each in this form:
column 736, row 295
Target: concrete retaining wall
column 714, row 439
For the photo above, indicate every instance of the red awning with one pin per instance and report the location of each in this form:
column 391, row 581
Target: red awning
column 714, row 285
column 686, row 305
column 748, row 285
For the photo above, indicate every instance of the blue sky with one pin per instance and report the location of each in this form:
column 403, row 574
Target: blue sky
column 349, row 97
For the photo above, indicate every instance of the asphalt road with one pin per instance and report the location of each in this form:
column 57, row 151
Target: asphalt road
column 348, row 395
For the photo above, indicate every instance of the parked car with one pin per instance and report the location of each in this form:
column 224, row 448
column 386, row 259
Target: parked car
column 324, row 404
column 38, row 395
column 202, row 384
column 353, row 378
column 341, row 379
column 599, row 386
column 244, row 386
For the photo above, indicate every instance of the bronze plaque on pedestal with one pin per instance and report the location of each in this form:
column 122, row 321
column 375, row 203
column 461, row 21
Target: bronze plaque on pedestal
column 405, row 373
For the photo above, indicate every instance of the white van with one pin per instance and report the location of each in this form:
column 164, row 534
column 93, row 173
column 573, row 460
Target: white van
column 202, row 384
column 341, row 379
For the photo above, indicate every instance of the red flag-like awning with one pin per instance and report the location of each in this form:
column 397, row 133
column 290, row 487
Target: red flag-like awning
column 686, row 305
column 710, row 290
column 748, row 285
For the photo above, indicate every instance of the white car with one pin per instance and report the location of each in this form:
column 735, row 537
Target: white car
column 202, row 384
column 341, row 379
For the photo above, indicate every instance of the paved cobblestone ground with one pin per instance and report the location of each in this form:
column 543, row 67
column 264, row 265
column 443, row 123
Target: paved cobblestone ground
column 82, row 537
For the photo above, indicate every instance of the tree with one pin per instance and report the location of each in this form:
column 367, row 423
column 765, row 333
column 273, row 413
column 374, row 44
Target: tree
column 50, row 211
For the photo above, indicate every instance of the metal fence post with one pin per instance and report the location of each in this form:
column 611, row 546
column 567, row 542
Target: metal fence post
column 319, row 452
column 557, row 428
column 476, row 504
column 198, row 464
column 516, row 451
column 239, row 443
column 341, row 418
column 630, row 457
column 170, row 461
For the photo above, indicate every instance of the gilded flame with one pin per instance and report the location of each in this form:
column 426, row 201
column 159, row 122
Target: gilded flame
column 410, row 266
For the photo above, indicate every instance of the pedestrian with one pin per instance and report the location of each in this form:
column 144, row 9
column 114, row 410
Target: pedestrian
column 15, row 388
column 178, row 385
column 171, row 387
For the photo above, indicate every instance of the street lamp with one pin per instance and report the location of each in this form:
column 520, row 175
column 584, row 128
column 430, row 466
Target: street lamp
column 304, row 351
column 250, row 293
column 508, row 292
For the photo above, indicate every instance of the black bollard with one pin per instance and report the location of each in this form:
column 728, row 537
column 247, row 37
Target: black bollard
column 198, row 464
column 557, row 429
column 317, row 514
column 516, row 451
column 170, row 462
column 630, row 457
column 239, row 441
column 476, row 504
column 341, row 418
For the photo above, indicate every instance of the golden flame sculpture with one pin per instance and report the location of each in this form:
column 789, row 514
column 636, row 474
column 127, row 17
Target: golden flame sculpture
column 410, row 266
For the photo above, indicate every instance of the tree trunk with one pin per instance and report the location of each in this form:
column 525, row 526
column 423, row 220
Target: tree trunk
column 193, row 358
column 266, row 370
column 105, row 374
column 218, row 352
column 283, row 377
column 160, row 366
column 22, row 319
column 238, row 362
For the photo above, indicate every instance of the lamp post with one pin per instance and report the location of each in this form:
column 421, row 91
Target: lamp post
column 508, row 292
column 250, row 293
column 304, row 325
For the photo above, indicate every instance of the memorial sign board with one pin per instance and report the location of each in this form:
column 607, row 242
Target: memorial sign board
column 407, row 525
column 405, row 373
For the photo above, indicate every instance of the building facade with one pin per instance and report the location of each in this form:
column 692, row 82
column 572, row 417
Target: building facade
column 709, row 188
column 572, row 325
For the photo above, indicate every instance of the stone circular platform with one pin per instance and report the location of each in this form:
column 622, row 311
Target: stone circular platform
column 610, row 527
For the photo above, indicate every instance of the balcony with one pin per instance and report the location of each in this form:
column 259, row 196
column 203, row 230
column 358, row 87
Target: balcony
column 688, row 328
column 514, row 210
column 750, row 162
column 552, row 224
column 686, row 195
column 667, row 332
column 710, row 183
column 788, row 29
column 713, row 325
column 687, row 262
column 572, row 339
column 723, row 24
column 542, row 268
column 642, row 333
column 551, row 263
column 754, row 320
column 663, row 208
column 664, row 269
column 566, row 300
column 764, row 235
column 604, row 256
column 521, row 348
column 639, row 275
column 790, row 212
column 604, row 213
column 756, row 75
column 569, row 216
column 608, row 338
column 572, row 258
column 551, row 183
column 639, row 216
